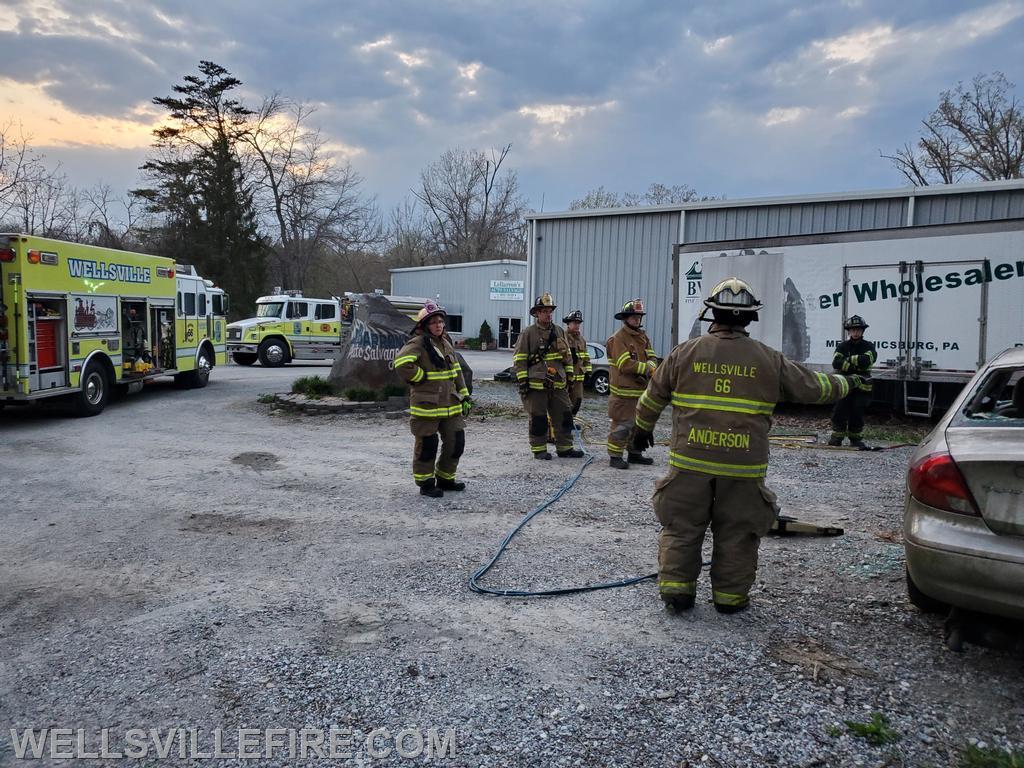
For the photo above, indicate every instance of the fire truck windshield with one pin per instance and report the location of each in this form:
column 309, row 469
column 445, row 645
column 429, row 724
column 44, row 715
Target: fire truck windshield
column 272, row 309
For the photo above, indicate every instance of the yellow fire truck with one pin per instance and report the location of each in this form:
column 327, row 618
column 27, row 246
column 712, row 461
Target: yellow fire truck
column 76, row 320
column 289, row 326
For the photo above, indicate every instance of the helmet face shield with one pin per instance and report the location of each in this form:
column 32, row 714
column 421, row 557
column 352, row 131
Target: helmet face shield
column 734, row 295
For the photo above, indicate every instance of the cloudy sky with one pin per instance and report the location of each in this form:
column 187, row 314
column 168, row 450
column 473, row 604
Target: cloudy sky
column 742, row 99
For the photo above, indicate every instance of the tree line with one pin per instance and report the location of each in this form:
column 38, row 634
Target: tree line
column 253, row 196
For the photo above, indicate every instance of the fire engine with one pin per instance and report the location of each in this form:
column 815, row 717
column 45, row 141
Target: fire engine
column 289, row 326
column 77, row 320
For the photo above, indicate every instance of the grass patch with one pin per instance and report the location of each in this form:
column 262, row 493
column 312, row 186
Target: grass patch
column 875, row 731
column 498, row 410
column 266, row 398
column 992, row 757
column 897, row 433
column 359, row 395
column 312, row 387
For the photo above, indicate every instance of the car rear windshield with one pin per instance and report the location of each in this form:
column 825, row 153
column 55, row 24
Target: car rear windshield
column 998, row 399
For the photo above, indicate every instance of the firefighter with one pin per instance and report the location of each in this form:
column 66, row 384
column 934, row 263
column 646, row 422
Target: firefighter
column 632, row 362
column 723, row 387
column 543, row 366
column 580, row 358
column 856, row 355
column 438, row 402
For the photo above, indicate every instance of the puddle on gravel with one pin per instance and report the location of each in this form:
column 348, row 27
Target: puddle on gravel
column 257, row 460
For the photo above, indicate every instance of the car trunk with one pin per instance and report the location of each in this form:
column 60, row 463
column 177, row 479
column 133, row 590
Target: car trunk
column 992, row 462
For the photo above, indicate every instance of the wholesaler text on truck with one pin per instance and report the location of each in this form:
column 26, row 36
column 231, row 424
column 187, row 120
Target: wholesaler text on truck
column 886, row 289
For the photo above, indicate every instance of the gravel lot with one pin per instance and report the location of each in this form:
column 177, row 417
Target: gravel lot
column 193, row 560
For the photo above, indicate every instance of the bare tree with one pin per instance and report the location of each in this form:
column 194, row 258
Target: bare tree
column 473, row 210
column 408, row 238
column 656, row 194
column 311, row 206
column 111, row 221
column 975, row 133
column 19, row 166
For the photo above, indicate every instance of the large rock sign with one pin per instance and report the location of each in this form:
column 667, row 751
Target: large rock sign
column 378, row 332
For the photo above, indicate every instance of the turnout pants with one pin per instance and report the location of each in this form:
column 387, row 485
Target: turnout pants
column 448, row 434
column 740, row 513
column 848, row 415
column 622, row 415
column 576, row 396
column 541, row 404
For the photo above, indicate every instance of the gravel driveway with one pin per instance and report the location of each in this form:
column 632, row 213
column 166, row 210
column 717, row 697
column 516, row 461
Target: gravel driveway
column 193, row 560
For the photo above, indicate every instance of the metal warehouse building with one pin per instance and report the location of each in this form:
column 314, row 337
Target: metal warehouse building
column 595, row 260
column 472, row 293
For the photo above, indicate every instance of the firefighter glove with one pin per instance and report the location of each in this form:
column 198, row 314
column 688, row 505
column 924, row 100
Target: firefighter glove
column 641, row 440
column 524, row 387
column 467, row 406
column 855, row 380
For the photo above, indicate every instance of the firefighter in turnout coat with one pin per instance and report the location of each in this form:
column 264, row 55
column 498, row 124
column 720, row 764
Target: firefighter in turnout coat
column 723, row 387
column 580, row 358
column 543, row 365
column 856, row 355
column 438, row 402
column 631, row 364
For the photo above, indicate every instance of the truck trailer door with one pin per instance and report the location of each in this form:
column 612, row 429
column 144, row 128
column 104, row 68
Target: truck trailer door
column 923, row 316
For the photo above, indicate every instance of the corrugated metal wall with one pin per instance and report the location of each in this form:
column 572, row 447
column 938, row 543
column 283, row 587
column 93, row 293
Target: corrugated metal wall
column 597, row 263
column 712, row 224
column 465, row 291
column 962, row 209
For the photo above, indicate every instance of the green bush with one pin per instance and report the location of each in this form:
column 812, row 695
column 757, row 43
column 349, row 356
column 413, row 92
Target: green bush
column 876, row 730
column 472, row 343
column 359, row 395
column 394, row 390
column 486, row 335
column 312, row 387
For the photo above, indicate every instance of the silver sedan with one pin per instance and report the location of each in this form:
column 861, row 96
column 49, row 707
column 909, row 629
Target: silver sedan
column 964, row 516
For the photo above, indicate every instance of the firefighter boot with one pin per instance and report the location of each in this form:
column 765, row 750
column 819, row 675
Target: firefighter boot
column 729, row 608
column 542, row 455
column 429, row 488
column 678, row 603
column 858, row 442
column 617, row 462
column 639, row 458
column 835, row 441
column 572, row 453
column 450, row 485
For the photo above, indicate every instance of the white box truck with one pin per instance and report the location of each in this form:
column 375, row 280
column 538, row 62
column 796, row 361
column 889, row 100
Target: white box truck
column 939, row 301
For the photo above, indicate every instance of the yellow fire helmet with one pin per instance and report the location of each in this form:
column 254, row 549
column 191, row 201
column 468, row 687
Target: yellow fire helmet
column 631, row 307
column 544, row 301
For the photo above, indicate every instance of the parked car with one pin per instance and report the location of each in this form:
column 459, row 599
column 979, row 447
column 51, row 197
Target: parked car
column 598, row 379
column 964, row 515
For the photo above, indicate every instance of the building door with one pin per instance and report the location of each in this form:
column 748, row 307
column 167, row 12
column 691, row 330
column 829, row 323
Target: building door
column 509, row 329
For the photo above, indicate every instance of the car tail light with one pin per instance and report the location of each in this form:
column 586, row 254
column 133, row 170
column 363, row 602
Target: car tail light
column 33, row 257
column 936, row 480
column 6, row 254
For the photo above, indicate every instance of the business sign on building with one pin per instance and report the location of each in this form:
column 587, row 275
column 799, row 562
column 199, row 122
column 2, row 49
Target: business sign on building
column 507, row 290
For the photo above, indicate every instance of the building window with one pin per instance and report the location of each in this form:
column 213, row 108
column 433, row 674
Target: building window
column 454, row 323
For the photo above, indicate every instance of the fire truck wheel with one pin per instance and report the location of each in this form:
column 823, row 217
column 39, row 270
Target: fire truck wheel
column 273, row 353
column 243, row 358
column 200, row 377
column 95, row 391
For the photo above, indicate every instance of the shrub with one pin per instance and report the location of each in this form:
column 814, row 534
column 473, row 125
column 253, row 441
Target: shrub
column 486, row 335
column 472, row 343
column 394, row 390
column 359, row 395
column 312, row 387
